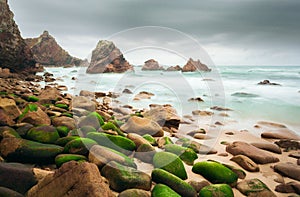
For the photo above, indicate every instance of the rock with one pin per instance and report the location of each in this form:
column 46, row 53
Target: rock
column 73, row 179
column 137, row 139
column 240, row 173
column 34, row 115
column 217, row 108
column 134, row 193
column 291, row 187
column 174, row 68
column 198, row 185
column 152, row 65
column 164, row 115
column 64, row 121
column 5, row 192
column 17, row 177
column 106, row 57
column 113, row 127
column 161, row 142
column 267, row 146
column 9, row 107
column 145, row 153
column 79, row 146
column 216, row 190
column 47, row 52
column 186, row 154
column 21, row 150
column 142, row 126
column 288, row 144
column 87, row 93
column 127, row 91
column 5, row 119
column 161, row 190
column 150, row 139
column 171, row 163
column 143, row 95
column 215, row 172
column 192, row 66
column 91, row 121
column 14, row 54
column 64, row 158
column 44, row 134
column 288, row 169
column 254, row 187
column 281, row 134
column 257, row 155
column 101, row 155
column 172, row 181
column 246, row 163
column 295, row 155
column 202, row 113
column 198, row 99
column 123, row 177
column 83, row 103
column 267, row 82
column 271, row 124
column 49, row 95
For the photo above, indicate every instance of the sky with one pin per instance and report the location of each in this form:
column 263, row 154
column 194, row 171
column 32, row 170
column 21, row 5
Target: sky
column 220, row 32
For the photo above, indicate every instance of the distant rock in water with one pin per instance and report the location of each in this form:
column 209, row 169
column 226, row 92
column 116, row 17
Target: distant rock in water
column 267, row 82
column 107, row 58
column 192, row 66
column 174, row 68
column 244, row 94
column 46, row 51
column 152, row 65
column 14, row 53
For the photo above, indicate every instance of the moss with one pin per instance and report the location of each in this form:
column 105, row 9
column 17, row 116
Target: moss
column 79, row 146
column 30, row 107
column 67, row 114
column 161, row 190
column 63, row 106
column 32, row 99
column 223, row 190
column 99, row 117
column 186, row 154
column 111, row 126
column 64, row 140
column 43, row 134
column 171, row 163
column 63, row 158
column 63, row 130
column 150, row 139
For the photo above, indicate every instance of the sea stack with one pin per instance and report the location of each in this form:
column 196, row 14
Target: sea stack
column 152, row 65
column 14, row 53
column 107, row 58
column 192, row 66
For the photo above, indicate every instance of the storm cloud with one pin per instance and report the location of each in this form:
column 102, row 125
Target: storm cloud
column 233, row 32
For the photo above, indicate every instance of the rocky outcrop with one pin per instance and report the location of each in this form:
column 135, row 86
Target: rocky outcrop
column 152, row 65
column 174, row 68
column 192, row 66
column 46, row 51
column 107, row 58
column 14, row 53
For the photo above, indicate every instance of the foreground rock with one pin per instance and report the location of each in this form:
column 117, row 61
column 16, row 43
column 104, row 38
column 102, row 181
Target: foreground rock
column 216, row 190
column 254, row 187
column 257, row 155
column 246, row 163
column 72, row 179
column 192, row 66
column 14, row 53
column 152, row 65
column 106, row 57
column 288, row 169
column 46, row 51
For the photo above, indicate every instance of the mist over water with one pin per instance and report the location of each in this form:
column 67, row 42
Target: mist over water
column 250, row 102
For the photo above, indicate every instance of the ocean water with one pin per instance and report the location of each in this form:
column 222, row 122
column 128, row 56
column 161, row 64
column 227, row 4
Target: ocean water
column 233, row 87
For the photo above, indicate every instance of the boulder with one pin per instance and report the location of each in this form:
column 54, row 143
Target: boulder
column 198, row 185
column 288, row 169
column 216, row 190
column 83, row 103
column 192, row 66
column 9, row 107
column 14, row 53
column 254, row 187
column 164, row 115
column 44, row 134
column 106, row 57
column 161, row 190
column 137, row 139
column 123, row 177
column 246, row 163
column 134, row 193
column 17, row 177
column 187, row 155
column 290, row 187
column 257, row 155
column 73, row 179
column 34, row 115
column 48, row 95
column 64, row 158
column 142, row 126
column 64, row 121
column 152, row 65
column 6, row 192
column 268, row 146
column 145, row 153
column 79, row 146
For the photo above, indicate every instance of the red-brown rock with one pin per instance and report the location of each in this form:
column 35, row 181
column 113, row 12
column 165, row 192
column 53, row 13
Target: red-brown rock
column 152, row 65
column 192, row 66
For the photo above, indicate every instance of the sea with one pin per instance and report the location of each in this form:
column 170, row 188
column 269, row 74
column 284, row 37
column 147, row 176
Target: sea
column 232, row 87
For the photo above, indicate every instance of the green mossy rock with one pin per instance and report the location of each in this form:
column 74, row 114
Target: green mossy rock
column 123, row 177
column 30, row 107
column 83, row 131
column 186, row 154
column 99, row 117
column 150, row 139
column 217, row 190
column 64, row 140
column 161, row 190
column 32, row 99
column 164, row 141
column 116, row 142
column 63, row 158
column 172, row 181
column 254, row 187
column 62, row 131
column 111, row 126
column 79, row 146
column 215, row 172
column 6, row 131
column 171, row 163
column 21, row 150
column 44, row 134
column 63, row 106
column 67, row 114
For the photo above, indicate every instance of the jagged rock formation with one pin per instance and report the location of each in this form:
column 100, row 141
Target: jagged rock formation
column 192, row 66
column 152, row 65
column 106, row 58
column 174, row 68
column 46, row 51
column 14, row 53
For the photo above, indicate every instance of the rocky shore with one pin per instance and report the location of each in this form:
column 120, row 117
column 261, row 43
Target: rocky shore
column 57, row 144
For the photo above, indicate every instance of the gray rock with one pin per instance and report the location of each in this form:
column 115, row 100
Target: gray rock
column 199, row 185
column 288, row 169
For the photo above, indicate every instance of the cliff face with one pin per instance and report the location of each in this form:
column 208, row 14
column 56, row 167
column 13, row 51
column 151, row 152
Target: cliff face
column 106, row 57
column 14, row 53
column 46, row 51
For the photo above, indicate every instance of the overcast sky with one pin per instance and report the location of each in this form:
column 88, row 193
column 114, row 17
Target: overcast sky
column 232, row 32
